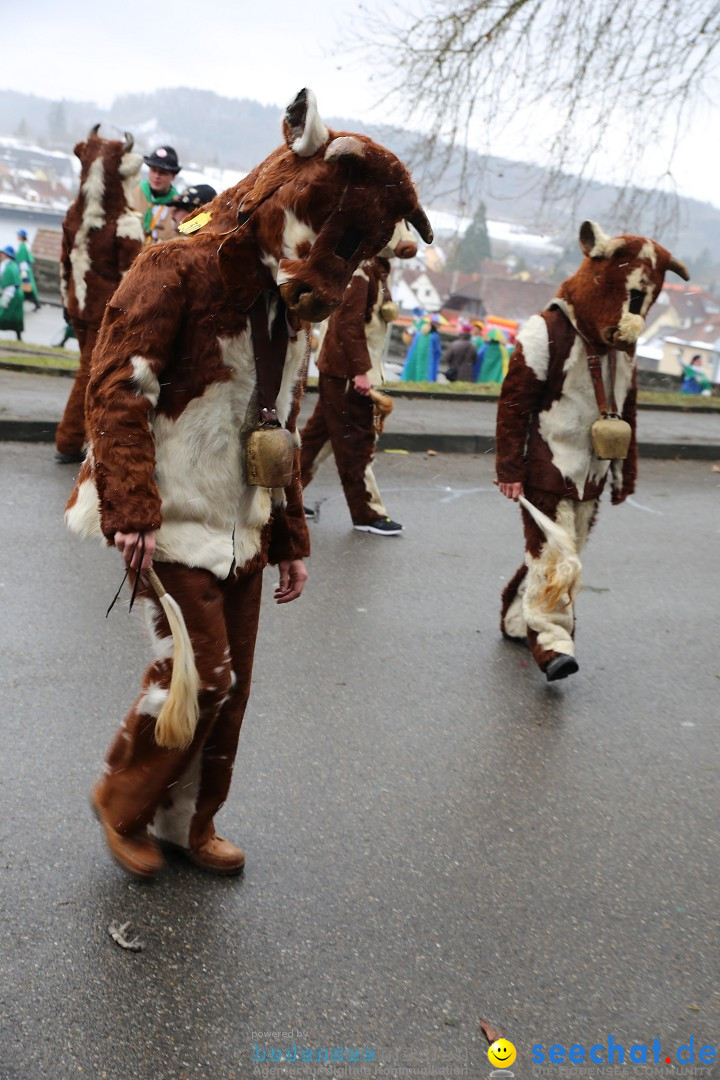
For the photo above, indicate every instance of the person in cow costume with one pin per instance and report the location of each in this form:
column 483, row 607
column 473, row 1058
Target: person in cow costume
column 194, row 461
column 350, row 365
column 101, row 237
column 566, row 423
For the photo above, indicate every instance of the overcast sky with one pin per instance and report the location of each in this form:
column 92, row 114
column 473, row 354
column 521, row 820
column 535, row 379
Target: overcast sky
column 261, row 50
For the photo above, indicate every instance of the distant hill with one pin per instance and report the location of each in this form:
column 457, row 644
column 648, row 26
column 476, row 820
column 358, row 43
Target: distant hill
column 211, row 130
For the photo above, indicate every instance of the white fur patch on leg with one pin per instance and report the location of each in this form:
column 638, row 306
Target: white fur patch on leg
column 172, row 823
column 514, row 623
column 556, row 572
column 152, row 700
column 373, row 491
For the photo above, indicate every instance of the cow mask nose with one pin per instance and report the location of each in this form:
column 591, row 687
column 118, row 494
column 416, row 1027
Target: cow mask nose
column 303, row 301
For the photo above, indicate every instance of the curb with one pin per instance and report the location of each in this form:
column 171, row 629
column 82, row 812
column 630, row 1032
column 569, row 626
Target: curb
column 393, row 390
column 43, row 431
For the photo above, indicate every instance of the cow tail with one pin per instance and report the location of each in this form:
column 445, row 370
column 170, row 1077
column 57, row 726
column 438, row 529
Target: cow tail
column 176, row 724
column 563, row 565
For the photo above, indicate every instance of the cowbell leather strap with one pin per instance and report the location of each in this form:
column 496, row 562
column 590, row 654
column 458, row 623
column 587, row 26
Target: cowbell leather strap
column 270, row 350
column 595, row 365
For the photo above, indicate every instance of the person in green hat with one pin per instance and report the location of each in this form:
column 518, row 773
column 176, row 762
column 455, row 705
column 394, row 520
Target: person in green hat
column 25, row 260
column 11, row 294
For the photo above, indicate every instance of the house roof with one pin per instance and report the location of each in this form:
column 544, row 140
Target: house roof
column 507, row 298
column 690, row 302
column 703, row 335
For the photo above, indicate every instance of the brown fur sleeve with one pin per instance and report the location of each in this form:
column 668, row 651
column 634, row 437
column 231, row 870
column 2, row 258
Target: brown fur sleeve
column 141, row 324
column 519, row 398
column 623, row 481
column 289, row 536
column 344, row 352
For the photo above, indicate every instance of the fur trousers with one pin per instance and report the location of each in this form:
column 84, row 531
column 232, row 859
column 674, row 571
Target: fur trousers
column 176, row 793
column 342, row 424
column 530, row 611
column 70, row 434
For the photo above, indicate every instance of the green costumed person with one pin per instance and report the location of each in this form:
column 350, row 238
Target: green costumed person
column 11, row 294
column 494, row 356
column 422, row 359
column 25, row 260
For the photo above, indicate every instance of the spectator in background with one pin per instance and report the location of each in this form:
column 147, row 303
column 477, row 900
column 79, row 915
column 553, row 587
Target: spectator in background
column 419, row 315
column 25, row 260
column 182, row 206
column 152, row 197
column 494, row 357
column 461, row 357
column 11, row 295
column 695, row 381
column 423, row 356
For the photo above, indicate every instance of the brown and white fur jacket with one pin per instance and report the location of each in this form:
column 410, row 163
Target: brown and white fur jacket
column 179, row 467
column 548, row 406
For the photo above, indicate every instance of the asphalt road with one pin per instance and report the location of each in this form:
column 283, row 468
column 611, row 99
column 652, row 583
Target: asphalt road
column 433, row 834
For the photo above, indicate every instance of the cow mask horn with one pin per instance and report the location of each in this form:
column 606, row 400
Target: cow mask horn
column 679, row 268
column 93, row 131
column 418, row 220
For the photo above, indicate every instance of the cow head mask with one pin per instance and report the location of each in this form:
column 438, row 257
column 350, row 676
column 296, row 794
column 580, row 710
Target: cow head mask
column 617, row 283
column 313, row 211
column 107, row 162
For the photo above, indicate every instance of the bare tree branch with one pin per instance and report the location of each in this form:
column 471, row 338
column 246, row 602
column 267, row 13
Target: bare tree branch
column 589, row 75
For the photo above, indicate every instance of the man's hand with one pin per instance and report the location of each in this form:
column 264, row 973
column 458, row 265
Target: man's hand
column 511, row 491
column 130, row 547
column 362, row 384
column 293, row 576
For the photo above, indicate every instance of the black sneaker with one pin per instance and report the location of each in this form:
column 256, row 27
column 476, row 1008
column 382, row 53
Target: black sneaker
column 383, row 527
column 309, row 513
column 560, row 667
column 69, row 459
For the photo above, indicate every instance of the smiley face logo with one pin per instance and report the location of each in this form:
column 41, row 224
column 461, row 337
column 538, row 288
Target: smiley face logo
column 501, row 1053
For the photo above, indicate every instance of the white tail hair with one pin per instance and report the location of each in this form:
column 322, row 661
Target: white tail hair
column 563, row 565
column 176, row 724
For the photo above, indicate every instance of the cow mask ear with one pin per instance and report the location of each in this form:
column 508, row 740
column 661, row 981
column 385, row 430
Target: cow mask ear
column 305, row 133
column 593, row 241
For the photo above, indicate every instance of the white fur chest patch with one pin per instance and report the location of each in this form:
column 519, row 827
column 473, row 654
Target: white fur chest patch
column 211, row 516
column 565, row 426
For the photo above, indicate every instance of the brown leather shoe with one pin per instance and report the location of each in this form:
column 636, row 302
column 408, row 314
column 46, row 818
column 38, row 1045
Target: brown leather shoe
column 138, row 855
column 218, row 856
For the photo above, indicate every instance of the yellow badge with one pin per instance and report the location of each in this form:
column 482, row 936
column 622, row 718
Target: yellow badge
column 195, row 224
